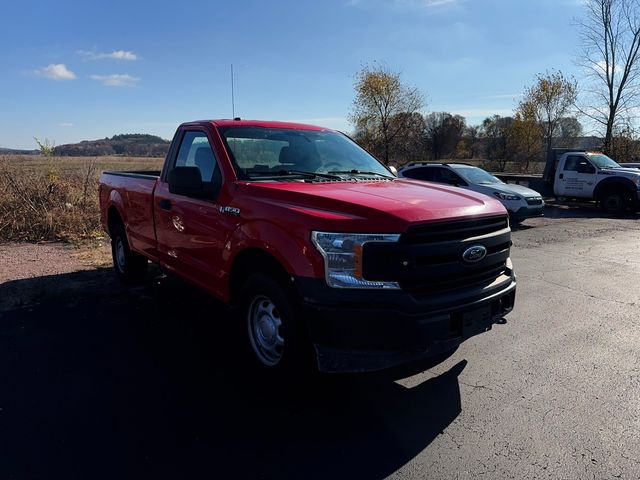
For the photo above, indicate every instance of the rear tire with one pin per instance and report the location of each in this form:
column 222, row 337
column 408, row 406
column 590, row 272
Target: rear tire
column 276, row 340
column 130, row 267
column 614, row 201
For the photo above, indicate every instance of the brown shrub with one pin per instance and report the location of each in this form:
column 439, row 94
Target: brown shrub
column 43, row 205
column 54, row 199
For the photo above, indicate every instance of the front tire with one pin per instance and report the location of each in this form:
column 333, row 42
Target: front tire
column 269, row 313
column 614, row 201
column 130, row 267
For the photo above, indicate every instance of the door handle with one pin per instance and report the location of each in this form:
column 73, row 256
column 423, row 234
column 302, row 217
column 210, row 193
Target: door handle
column 561, row 176
column 165, row 204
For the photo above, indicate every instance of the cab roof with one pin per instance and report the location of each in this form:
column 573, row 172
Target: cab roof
column 257, row 123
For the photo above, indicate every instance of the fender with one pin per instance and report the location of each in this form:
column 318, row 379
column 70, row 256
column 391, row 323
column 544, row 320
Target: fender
column 614, row 182
column 116, row 201
column 295, row 255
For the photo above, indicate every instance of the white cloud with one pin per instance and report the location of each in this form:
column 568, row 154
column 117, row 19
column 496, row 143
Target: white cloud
column 65, row 124
column 56, row 71
column 115, row 55
column 122, row 55
column 116, row 80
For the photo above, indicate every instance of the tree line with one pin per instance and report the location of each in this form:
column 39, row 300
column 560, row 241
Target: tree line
column 389, row 120
column 132, row 145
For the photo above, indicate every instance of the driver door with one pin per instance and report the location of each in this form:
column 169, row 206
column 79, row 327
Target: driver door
column 578, row 178
column 190, row 231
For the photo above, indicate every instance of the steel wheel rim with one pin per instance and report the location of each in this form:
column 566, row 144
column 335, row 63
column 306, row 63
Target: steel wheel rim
column 265, row 330
column 121, row 259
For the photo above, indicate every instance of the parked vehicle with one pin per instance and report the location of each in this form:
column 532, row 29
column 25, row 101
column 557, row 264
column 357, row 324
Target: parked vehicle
column 587, row 176
column 630, row 165
column 521, row 202
column 323, row 252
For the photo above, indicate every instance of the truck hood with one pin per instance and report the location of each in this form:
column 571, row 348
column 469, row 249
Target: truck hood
column 380, row 206
column 627, row 171
column 513, row 188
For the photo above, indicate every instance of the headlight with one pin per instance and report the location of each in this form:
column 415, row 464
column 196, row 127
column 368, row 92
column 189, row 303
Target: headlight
column 342, row 254
column 506, row 196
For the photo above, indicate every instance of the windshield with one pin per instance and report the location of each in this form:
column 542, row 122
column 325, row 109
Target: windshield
column 476, row 175
column 259, row 153
column 602, row 161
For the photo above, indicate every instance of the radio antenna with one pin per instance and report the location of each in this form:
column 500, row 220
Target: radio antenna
column 233, row 102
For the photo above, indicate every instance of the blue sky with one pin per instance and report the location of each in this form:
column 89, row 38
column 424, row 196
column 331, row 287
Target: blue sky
column 77, row 70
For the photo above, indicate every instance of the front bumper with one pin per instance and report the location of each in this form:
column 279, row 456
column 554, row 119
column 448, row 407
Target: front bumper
column 526, row 212
column 368, row 330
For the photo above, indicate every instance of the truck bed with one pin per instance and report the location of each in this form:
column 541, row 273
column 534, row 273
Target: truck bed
column 135, row 189
column 530, row 180
column 135, row 173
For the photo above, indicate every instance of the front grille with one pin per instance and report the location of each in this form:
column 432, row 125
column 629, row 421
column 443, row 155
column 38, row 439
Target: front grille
column 480, row 276
column 428, row 259
column 458, row 230
column 534, row 201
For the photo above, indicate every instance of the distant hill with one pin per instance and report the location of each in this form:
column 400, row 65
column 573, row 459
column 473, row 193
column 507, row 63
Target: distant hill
column 13, row 151
column 131, row 145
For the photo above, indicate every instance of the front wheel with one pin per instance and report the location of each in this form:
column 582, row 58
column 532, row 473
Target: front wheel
column 614, row 201
column 276, row 340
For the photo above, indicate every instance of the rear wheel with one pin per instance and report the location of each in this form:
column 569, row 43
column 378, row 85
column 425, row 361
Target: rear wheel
column 614, row 201
column 130, row 267
column 275, row 338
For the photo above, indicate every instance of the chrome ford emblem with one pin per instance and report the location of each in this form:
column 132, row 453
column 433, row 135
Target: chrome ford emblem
column 474, row 254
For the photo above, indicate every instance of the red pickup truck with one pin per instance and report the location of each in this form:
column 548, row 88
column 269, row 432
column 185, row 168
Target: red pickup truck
column 325, row 254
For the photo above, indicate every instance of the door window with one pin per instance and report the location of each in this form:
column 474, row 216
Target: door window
column 195, row 151
column 424, row 173
column 575, row 163
column 444, row 175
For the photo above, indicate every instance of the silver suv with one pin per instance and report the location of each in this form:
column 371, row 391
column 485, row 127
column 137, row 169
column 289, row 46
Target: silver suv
column 521, row 202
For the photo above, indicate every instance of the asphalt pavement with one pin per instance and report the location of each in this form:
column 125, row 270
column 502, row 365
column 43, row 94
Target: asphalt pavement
column 151, row 382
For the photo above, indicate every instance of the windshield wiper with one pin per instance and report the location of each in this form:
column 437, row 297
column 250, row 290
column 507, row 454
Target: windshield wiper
column 360, row 172
column 299, row 173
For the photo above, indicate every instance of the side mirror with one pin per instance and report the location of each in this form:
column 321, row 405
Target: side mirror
column 393, row 169
column 186, row 181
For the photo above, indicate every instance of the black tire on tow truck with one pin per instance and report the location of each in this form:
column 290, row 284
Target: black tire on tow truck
column 614, row 200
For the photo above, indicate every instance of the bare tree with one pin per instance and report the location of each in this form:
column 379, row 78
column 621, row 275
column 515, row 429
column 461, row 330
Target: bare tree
column 610, row 36
column 444, row 132
column 380, row 101
column 496, row 132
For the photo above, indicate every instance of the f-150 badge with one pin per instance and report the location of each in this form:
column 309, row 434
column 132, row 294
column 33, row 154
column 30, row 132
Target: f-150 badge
column 230, row 210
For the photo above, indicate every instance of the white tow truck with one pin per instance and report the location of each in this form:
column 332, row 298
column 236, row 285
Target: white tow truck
column 580, row 174
column 594, row 176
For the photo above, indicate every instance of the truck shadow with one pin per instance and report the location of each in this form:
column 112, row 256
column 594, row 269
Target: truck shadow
column 105, row 382
column 577, row 209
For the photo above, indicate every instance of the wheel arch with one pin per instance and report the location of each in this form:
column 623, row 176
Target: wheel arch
column 113, row 218
column 255, row 260
column 616, row 183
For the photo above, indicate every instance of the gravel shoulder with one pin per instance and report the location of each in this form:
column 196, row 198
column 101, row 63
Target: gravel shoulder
column 51, row 268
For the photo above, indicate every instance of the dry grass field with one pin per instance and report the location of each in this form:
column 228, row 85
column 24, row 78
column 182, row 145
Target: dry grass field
column 56, row 198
